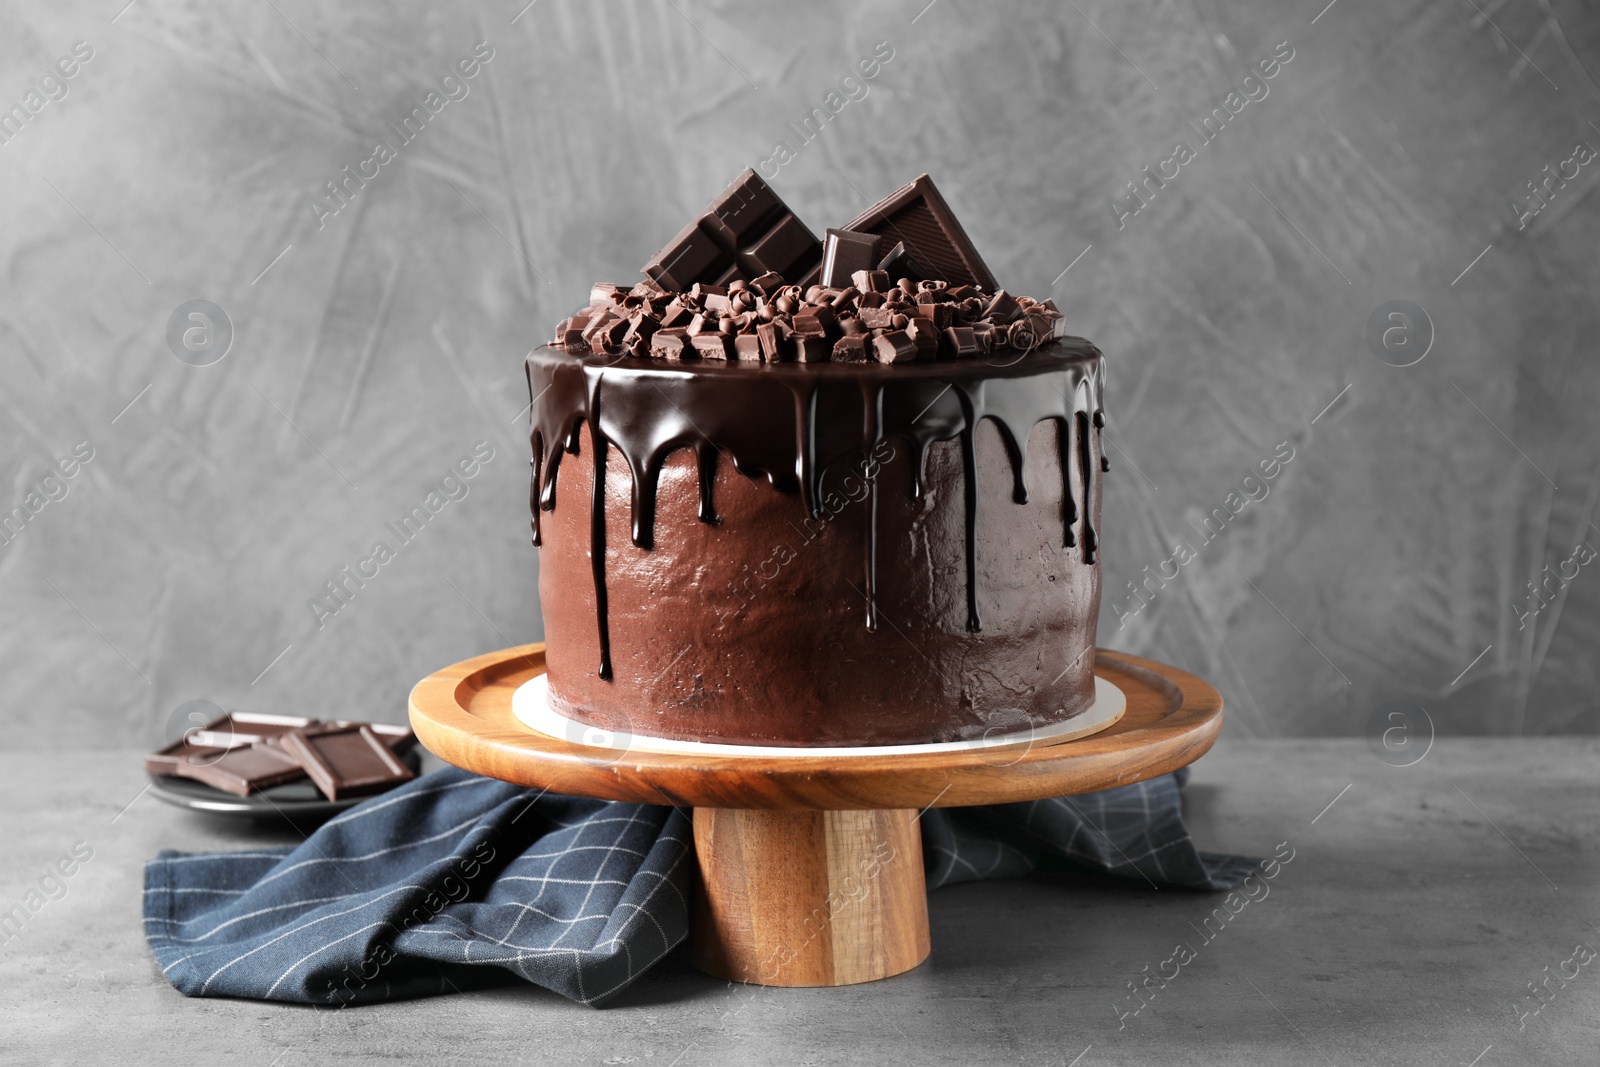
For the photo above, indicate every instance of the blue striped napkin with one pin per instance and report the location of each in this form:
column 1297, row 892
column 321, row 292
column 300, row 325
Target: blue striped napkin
column 454, row 881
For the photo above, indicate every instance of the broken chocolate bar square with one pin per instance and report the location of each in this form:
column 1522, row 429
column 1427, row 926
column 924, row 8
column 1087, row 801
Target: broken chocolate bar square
column 852, row 348
column 818, row 321
column 924, row 335
column 871, row 281
column 747, row 232
column 166, row 761
column 244, row 769
column 812, row 349
column 845, row 251
column 671, row 343
column 958, row 343
column 897, row 264
column 344, row 761
column 775, row 340
column 894, row 347
column 400, row 739
column 876, row 318
column 918, row 217
column 711, row 345
column 1003, row 308
column 747, row 347
column 244, row 728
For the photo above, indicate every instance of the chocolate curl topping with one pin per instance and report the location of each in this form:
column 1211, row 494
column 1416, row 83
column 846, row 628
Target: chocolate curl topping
column 766, row 320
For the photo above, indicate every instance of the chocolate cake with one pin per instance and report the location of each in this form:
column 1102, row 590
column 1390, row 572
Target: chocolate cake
column 816, row 493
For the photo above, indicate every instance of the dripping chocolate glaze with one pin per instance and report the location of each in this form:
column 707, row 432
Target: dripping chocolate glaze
column 648, row 409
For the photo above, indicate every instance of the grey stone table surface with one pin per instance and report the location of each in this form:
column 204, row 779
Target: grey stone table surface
column 1419, row 905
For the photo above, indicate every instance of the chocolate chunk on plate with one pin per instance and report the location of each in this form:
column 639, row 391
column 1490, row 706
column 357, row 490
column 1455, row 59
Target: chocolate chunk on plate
column 244, row 769
column 345, row 761
column 247, row 727
column 166, row 761
column 400, row 739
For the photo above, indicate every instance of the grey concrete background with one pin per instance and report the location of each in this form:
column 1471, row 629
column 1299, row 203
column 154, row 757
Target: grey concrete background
column 374, row 347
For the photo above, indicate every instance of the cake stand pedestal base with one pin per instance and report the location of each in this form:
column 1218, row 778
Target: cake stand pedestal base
column 811, row 865
column 809, row 898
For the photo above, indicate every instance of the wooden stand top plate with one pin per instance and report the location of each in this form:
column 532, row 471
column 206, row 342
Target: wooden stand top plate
column 463, row 714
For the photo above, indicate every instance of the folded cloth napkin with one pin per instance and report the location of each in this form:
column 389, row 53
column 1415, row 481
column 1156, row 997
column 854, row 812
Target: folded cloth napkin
column 455, row 881
column 1135, row 831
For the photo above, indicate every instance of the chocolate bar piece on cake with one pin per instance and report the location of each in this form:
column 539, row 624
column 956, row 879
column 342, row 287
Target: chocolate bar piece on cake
column 917, row 217
column 745, row 233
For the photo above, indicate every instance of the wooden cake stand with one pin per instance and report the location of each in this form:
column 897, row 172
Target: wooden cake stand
column 811, row 867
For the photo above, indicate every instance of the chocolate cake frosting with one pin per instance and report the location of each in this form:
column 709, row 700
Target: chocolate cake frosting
column 875, row 523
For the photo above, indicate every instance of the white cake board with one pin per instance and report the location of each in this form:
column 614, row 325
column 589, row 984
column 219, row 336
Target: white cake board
column 531, row 705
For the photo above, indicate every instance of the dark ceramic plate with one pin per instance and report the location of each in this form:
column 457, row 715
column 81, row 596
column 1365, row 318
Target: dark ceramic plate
column 293, row 800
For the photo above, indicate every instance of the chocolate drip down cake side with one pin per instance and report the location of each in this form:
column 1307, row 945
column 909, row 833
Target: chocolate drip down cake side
column 802, row 493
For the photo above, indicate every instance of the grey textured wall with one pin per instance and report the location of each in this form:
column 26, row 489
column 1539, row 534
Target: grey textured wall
column 376, row 346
